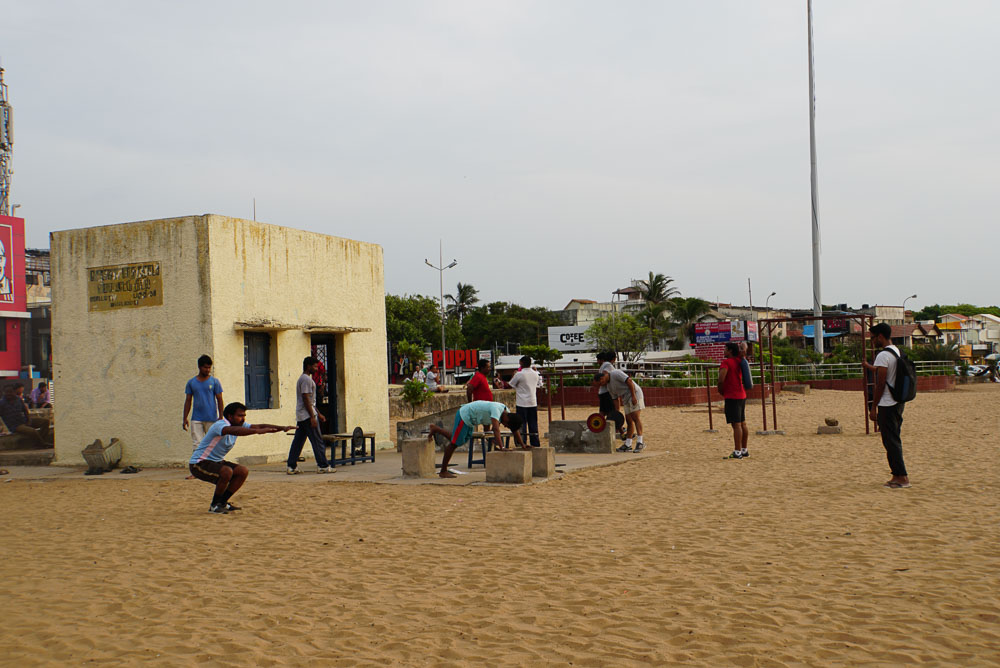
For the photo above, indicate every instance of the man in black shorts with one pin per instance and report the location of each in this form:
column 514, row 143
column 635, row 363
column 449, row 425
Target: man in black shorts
column 208, row 461
column 731, row 389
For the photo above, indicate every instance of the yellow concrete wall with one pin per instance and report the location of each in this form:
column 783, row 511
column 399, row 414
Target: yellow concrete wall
column 291, row 277
column 122, row 373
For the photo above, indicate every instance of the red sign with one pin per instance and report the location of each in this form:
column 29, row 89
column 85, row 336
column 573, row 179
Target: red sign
column 12, row 289
column 457, row 358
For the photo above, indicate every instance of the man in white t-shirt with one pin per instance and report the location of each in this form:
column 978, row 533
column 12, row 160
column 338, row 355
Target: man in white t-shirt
column 885, row 410
column 307, row 421
column 525, row 383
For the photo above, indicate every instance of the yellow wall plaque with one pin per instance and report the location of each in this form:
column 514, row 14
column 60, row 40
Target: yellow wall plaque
column 124, row 286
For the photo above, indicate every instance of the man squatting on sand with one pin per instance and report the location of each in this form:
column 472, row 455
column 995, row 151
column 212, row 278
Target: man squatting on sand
column 885, row 410
column 486, row 413
column 209, row 463
column 732, row 390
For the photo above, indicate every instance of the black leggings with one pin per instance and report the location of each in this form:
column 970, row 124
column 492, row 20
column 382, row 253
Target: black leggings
column 607, row 408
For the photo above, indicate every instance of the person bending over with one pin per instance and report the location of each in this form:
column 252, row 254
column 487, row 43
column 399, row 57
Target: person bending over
column 486, row 413
column 208, row 462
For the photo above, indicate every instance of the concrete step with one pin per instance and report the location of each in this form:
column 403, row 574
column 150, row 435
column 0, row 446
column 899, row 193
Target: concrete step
column 27, row 457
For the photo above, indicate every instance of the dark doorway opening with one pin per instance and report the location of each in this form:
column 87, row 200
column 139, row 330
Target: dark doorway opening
column 324, row 348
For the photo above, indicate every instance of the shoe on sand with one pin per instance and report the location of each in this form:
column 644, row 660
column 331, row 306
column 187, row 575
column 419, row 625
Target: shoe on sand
column 290, row 471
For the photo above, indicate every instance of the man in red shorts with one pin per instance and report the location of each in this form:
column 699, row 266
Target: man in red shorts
column 731, row 389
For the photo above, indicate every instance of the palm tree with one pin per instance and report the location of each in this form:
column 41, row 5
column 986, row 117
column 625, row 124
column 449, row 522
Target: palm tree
column 656, row 289
column 686, row 312
column 463, row 301
column 654, row 318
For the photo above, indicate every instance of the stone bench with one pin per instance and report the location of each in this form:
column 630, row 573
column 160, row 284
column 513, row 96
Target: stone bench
column 574, row 436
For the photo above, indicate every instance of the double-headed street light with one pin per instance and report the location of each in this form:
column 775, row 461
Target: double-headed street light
column 441, row 269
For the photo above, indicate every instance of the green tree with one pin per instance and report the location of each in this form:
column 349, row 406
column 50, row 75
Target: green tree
column 462, row 301
column 502, row 321
column 411, row 351
column 656, row 289
column 412, row 318
column 654, row 318
column 541, row 353
column 935, row 311
column 685, row 312
column 936, row 351
column 620, row 332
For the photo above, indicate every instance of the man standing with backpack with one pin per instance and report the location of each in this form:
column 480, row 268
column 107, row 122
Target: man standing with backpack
column 893, row 386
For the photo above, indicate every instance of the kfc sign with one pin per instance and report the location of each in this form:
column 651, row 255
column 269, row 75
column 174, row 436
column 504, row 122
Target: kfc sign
column 568, row 338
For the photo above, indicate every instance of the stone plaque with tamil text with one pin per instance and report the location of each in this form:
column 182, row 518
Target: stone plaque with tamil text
column 124, row 286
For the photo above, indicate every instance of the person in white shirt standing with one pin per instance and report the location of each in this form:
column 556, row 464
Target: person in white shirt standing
column 885, row 410
column 307, row 421
column 525, row 384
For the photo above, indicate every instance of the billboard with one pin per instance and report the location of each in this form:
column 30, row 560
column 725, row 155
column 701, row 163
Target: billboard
column 569, row 339
column 712, row 332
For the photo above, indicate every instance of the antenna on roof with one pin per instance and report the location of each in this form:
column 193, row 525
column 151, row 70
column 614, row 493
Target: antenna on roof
column 6, row 146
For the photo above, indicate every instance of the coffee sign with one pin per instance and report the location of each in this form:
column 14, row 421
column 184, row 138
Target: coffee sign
column 124, row 286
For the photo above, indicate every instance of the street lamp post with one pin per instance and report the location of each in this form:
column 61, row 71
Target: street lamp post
column 904, row 304
column 441, row 269
column 768, row 300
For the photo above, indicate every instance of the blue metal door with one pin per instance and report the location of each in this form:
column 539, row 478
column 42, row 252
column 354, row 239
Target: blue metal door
column 257, row 369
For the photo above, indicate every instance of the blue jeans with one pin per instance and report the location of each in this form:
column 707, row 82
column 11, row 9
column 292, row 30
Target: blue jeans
column 303, row 431
column 529, row 423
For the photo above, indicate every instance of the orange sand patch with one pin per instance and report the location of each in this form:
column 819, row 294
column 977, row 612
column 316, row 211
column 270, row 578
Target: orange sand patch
column 795, row 556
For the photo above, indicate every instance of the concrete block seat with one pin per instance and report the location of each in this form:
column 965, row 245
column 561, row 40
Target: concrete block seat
column 485, row 439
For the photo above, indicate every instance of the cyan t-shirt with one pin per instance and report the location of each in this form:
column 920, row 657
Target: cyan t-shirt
column 216, row 445
column 481, row 412
column 204, row 408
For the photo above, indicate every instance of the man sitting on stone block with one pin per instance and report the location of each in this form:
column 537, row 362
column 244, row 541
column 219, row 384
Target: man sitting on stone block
column 487, row 413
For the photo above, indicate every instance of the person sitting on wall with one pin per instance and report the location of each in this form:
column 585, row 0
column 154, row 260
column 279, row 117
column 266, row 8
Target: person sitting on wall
column 14, row 413
column 491, row 413
column 433, row 375
column 39, row 397
column 208, row 462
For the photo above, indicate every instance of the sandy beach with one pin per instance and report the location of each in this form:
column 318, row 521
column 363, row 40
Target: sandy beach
column 795, row 556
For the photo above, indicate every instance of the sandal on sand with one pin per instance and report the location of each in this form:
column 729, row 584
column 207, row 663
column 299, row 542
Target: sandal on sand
column 897, row 485
column 4, row 472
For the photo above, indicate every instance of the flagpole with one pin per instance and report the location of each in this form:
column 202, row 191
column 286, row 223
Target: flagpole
column 817, row 300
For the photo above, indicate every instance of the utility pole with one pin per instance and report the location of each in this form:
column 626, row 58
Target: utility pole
column 817, row 301
column 6, row 147
column 441, row 269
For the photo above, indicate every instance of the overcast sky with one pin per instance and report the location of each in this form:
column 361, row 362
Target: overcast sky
column 558, row 148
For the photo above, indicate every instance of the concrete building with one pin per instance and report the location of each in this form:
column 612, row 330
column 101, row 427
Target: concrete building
column 134, row 305
column 36, row 335
column 584, row 312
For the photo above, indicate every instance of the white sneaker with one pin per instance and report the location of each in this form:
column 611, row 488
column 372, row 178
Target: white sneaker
column 639, row 447
column 290, row 471
column 328, row 469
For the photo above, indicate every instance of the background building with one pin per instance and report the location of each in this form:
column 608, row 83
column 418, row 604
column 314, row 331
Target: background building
column 134, row 305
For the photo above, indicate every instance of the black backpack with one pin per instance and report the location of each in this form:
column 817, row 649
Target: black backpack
column 906, row 378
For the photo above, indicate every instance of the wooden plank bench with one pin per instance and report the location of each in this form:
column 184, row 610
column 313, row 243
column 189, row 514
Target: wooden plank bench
column 344, row 439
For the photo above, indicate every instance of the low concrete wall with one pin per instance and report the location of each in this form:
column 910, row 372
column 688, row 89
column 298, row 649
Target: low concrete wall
column 444, row 418
column 399, row 409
